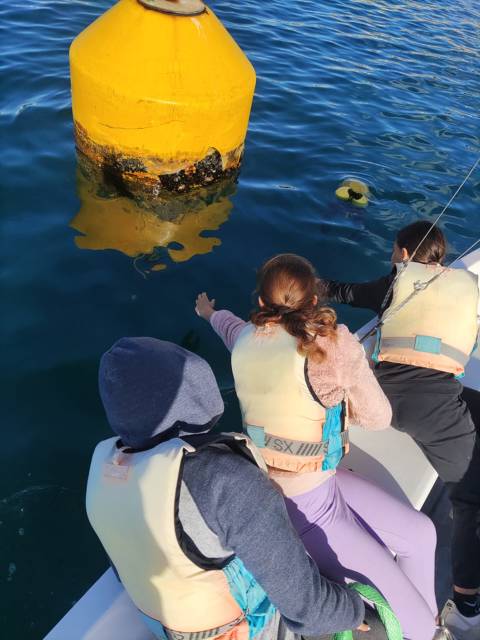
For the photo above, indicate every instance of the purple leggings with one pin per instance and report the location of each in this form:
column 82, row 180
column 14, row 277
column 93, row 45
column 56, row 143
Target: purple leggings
column 347, row 523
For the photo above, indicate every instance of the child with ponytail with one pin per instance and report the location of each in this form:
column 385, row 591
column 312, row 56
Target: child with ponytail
column 301, row 378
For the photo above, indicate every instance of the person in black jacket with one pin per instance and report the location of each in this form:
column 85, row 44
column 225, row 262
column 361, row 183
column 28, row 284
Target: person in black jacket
column 429, row 405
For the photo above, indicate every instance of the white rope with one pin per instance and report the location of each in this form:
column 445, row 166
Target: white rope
column 435, row 222
column 417, row 287
column 462, row 255
column 421, row 285
column 405, row 263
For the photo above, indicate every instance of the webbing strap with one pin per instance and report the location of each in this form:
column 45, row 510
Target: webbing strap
column 426, row 344
column 291, row 447
column 385, row 613
column 202, row 635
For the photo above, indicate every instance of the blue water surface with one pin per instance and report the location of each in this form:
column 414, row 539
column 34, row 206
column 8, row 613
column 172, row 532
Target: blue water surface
column 386, row 91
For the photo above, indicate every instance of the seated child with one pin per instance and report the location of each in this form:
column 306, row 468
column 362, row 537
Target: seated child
column 300, row 379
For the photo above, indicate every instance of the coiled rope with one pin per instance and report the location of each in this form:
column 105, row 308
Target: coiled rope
column 385, row 613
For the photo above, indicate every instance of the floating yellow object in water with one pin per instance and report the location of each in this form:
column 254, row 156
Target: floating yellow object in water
column 161, row 96
column 354, row 191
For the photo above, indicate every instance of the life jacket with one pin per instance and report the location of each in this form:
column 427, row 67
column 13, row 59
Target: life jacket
column 132, row 504
column 281, row 413
column 438, row 328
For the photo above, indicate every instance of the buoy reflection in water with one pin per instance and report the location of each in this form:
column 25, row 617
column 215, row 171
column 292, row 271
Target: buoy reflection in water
column 148, row 230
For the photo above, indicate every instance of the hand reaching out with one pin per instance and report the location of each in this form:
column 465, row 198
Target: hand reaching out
column 204, row 307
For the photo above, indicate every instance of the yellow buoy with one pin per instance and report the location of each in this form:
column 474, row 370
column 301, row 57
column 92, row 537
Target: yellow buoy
column 161, row 95
column 354, row 191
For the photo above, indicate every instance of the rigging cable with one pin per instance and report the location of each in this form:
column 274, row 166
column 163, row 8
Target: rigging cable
column 420, row 286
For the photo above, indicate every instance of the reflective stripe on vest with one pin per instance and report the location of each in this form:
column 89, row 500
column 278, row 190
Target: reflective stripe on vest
column 284, row 417
column 291, row 447
column 162, row 632
column 203, row 635
column 140, row 535
column 438, row 328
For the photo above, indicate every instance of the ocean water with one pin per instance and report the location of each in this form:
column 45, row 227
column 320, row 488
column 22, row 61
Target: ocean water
column 385, row 91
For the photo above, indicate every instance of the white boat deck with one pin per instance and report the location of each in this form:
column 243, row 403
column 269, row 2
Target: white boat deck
column 389, row 458
column 381, row 456
column 105, row 612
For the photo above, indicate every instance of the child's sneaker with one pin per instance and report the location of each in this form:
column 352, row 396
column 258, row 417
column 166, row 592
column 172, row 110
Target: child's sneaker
column 460, row 626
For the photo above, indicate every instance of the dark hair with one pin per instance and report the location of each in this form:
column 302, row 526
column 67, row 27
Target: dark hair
column 287, row 285
column 432, row 249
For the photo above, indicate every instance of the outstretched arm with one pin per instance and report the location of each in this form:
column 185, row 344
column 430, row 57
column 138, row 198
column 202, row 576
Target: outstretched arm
column 225, row 324
column 241, row 506
column 368, row 295
column 228, row 326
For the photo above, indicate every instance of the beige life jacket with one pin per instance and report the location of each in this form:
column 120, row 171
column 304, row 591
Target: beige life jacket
column 438, row 328
column 281, row 413
column 132, row 502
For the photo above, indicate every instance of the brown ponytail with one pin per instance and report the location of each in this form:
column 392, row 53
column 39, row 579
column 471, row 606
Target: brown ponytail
column 288, row 288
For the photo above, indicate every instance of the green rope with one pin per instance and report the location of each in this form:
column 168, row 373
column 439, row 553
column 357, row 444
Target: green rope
column 385, row 613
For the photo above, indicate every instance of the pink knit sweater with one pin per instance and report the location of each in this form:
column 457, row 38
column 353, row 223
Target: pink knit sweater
column 344, row 373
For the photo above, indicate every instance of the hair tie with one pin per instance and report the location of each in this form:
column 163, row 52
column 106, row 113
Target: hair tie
column 285, row 311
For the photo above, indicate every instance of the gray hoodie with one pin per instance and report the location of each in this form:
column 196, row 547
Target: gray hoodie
column 154, row 390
